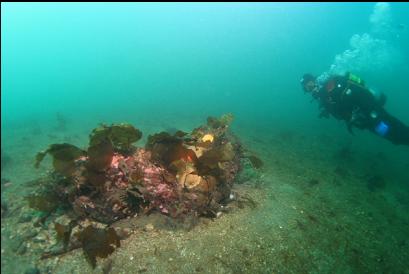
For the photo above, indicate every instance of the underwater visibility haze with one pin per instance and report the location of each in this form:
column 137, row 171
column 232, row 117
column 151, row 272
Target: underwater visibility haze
column 177, row 137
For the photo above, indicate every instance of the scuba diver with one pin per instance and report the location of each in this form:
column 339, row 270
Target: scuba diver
column 346, row 98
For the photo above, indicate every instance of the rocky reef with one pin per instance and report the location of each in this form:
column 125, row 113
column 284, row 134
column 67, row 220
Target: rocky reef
column 180, row 175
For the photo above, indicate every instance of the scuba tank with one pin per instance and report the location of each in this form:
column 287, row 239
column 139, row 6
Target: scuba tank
column 354, row 84
column 359, row 84
column 371, row 119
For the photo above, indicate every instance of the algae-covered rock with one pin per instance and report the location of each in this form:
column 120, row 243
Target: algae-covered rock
column 224, row 121
column 175, row 174
column 208, row 163
column 178, row 175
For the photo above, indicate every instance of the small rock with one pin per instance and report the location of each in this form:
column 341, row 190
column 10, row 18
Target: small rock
column 123, row 233
column 22, row 249
column 32, row 270
column 3, row 211
column 376, row 182
column 29, row 234
column 40, row 238
column 4, row 181
column 4, row 207
column 107, row 266
column 36, row 221
column 25, row 218
column 149, row 227
column 15, row 243
column 313, row 182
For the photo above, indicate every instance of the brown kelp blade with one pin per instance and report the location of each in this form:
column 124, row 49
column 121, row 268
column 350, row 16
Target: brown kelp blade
column 255, row 161
column 98, row 242
column 63, row 232
column 63, row 155
column 39, row 158
column 100, row 155
column 121, row 135
column 167, row 148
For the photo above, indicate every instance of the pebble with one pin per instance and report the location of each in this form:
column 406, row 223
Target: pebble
column 22, row 249
column 15, row 244
column 32, row 270
column 41, row 238
column 149, row 227
column 24, row 218
column 123, row 233
column 28, row 234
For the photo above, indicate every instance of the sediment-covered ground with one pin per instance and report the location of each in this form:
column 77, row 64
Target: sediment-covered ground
column 317, row 206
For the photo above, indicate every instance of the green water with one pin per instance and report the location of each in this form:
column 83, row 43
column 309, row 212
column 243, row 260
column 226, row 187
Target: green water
column 65, row 68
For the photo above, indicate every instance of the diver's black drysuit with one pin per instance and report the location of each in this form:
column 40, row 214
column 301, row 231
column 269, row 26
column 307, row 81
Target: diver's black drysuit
column 346, row 98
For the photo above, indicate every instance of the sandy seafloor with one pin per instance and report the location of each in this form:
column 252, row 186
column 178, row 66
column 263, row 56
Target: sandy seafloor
column 314, row 212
